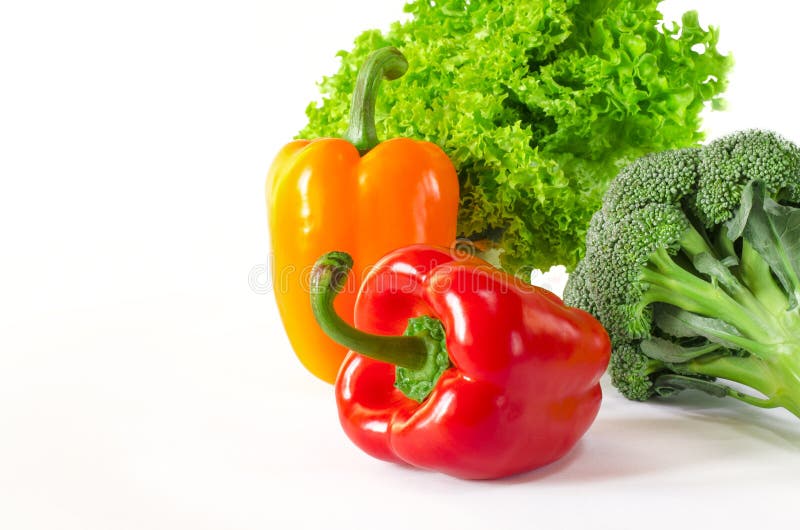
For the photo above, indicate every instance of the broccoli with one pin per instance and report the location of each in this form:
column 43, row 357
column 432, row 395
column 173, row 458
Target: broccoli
column 693, row 266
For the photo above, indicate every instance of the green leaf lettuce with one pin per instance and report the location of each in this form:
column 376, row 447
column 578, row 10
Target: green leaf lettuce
column 538, row 103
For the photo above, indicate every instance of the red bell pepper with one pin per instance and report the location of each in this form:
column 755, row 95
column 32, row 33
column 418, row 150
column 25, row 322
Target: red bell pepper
column 503, row 379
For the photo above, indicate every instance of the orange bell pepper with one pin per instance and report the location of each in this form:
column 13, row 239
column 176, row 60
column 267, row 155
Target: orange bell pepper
column 357, row 195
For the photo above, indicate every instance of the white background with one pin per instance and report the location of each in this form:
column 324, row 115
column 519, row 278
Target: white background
column 145, row 385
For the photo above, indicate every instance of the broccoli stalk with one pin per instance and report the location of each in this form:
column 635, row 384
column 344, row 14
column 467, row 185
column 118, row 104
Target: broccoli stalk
column 693, row 265
column 752, row 337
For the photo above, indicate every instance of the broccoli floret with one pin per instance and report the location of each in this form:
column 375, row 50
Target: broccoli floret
column 670, row 175
column 693, row 267
column 726, row 165
column 580, row 295
column 632, row 371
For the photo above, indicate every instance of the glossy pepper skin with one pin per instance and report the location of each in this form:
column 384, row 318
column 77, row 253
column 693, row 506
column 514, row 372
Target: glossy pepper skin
column 524, row 382
column 323, row 194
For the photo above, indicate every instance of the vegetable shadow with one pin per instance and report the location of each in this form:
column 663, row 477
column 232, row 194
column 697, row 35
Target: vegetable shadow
column 628, row 439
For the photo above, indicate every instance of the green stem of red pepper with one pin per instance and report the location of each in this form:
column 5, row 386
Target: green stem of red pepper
column 386, row 63
column 420, row 354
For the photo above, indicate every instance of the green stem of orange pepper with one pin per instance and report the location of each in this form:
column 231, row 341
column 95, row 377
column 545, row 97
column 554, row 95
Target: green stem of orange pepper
column 386, row 63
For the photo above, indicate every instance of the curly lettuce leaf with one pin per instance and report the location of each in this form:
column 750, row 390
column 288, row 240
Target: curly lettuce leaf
column 538, row 104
